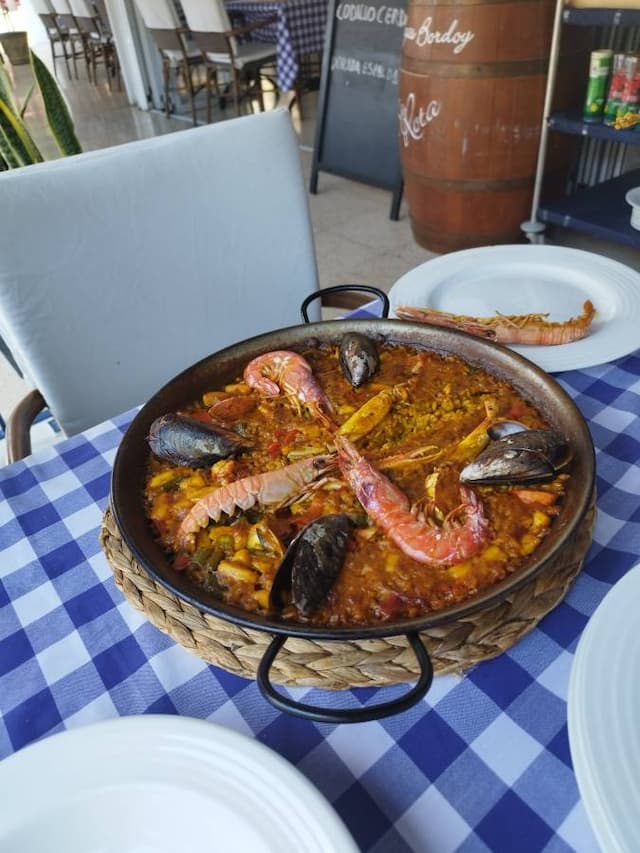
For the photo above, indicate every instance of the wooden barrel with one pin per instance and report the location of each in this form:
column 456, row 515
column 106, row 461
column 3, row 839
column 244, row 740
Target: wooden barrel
column 472, row 82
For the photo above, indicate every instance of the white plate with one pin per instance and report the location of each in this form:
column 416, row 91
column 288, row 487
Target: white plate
column 534, row 279
column 604, row 717
column 161, row 784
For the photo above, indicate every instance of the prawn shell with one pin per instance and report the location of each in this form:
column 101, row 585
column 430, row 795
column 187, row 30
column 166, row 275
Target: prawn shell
column 313, row 562
column 359, row 359
column 523, row 457
column 182, row 440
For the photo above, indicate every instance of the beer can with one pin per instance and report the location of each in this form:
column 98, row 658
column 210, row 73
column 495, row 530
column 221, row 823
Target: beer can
column 616, row 89
column 599, row 69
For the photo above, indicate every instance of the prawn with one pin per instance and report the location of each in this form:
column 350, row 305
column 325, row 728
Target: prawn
column 287, row 371
column 507, row 328
column 389, row 508
column 272, row 487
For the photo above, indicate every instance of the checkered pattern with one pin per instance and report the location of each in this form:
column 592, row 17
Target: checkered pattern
column 298, row 31
column 481, row 764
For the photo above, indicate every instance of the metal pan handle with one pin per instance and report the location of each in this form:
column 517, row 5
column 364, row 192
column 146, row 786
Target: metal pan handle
column 344, row 715
column 343, row 288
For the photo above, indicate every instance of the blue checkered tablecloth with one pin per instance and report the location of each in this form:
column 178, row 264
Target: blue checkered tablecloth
column 298, row 31
column 481, row 764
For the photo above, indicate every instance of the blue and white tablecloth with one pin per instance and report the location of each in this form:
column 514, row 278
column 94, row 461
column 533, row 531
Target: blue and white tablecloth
column 298, row 31
column 481, row 764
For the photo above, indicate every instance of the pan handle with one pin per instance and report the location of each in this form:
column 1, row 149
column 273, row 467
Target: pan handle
column 344, row 715
column 343, row 288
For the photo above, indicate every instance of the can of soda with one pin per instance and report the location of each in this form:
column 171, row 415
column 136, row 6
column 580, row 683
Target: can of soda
column 630, row 98
column 616, row 89
column 599, row 70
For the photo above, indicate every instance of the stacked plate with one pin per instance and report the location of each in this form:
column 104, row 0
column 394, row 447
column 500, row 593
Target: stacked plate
column 604, row 717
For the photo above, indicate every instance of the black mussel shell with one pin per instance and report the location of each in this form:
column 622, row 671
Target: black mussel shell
column 312, row 563
column 531, row 455
column 359, row 358
column 182, row 440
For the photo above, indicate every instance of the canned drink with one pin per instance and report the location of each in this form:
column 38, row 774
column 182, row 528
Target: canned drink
column 616, row 89
column 629, row 105
column 599, row 70
column 631, row 91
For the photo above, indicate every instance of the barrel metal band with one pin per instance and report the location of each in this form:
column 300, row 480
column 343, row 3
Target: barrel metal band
column 451, row 7
column 479, row 185
column 479, row 70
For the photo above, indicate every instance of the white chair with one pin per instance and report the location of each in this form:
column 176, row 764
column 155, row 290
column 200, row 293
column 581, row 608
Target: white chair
column 178, row 55
column 56, row 33
column 170, row 248
column 98, row 46
column 69, row 29
column 212, row 32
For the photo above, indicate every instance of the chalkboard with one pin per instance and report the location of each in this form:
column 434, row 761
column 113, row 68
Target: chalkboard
column 357, row 130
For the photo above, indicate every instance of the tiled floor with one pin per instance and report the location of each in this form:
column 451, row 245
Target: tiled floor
column 355, row 239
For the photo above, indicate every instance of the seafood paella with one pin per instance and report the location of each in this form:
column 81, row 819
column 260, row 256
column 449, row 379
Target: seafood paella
column 354, row 483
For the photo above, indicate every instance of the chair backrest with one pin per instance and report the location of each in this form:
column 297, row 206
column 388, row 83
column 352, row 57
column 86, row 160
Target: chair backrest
column 61, row 7
column 41, row 7
column 206, row 16
column 100, row 10
column 45, row 11
column 161, row 19
column 64, row 13
column 81, row 9
column 170, row 248
column 158, row 14
column 85, row 17
column 208, row 21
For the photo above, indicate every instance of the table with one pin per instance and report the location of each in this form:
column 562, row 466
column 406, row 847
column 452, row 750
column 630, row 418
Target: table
column 298, row 31
column 481, row 764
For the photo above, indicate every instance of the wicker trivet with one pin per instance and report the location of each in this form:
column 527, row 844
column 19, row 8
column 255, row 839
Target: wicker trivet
column 335, row 664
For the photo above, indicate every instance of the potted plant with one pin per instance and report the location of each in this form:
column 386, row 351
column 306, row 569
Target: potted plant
column 17, row 147
column 14, row 42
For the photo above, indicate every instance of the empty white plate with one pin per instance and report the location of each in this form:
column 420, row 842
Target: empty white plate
column 161, row 784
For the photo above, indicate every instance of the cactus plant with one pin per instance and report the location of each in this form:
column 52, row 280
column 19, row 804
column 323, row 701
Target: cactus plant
column 17, row 147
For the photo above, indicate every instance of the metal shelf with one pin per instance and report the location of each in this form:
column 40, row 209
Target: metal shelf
column 601, row 17
column 600, row 211
column 574, row 124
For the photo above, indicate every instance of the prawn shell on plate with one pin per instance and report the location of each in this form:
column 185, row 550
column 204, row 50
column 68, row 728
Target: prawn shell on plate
column 359, row 359
column 182, row 440
column 312, row 563
column 531, row 455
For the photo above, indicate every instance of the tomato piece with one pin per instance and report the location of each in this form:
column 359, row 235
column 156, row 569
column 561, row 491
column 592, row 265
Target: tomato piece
column 181, row 562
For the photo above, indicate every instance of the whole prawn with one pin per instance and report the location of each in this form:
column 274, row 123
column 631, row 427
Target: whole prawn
column 389, row 508
column 287, row 371
column 272, row 487
column 507, row 328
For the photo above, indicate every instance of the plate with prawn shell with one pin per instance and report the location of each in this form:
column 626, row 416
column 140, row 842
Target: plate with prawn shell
column 534, row 279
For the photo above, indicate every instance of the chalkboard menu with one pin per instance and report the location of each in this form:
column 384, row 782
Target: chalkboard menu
column 357, row 131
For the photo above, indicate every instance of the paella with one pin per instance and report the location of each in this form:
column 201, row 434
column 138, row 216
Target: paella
column 354, row 483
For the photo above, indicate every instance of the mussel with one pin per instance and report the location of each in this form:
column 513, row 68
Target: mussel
column 311, row 564
column 528, row 456
column 182, row 440
column 359, row 358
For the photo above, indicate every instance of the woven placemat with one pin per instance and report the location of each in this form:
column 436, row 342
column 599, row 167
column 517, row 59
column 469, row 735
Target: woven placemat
column 334, row 664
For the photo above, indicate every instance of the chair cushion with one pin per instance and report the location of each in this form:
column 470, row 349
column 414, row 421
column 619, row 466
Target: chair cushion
column 176, row 57
column 246, row 54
